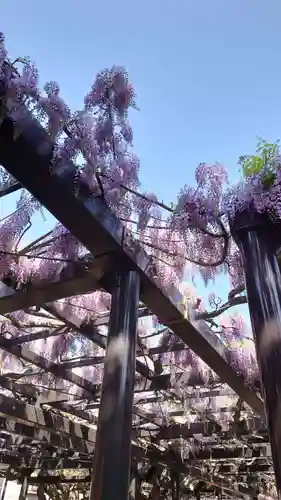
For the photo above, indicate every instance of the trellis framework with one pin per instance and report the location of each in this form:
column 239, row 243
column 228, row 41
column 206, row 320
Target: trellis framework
column 188, row 435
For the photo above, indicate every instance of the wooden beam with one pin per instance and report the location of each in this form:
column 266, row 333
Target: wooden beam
column 36, row 423
column 28, row 160
column 89, row 390
column 72, row 280
column 89, row 330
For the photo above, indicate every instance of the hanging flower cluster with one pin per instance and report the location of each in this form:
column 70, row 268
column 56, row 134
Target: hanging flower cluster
column 98, row 139
column 191, row 234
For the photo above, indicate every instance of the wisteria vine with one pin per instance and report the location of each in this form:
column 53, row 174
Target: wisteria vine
column 188, row 236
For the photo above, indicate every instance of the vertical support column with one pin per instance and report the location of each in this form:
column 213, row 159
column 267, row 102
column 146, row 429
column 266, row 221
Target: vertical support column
column 135, row 484
column 41, row 492
column 24, row 489
column 3, row 489
column 134, row 490
column 257, row 238
column 111, row 472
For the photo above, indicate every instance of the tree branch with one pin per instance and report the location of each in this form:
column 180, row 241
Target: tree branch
column 235, row 301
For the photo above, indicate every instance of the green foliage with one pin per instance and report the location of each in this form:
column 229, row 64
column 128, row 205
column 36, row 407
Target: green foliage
column 265, row 158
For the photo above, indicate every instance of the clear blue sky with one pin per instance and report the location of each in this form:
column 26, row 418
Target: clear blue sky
column 206, row 72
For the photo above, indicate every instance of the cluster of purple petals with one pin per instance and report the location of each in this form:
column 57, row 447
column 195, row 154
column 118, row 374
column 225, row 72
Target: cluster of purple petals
column 98, row 139
column 255, row 193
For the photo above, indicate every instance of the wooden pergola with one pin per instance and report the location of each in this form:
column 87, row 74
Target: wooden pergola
column 188, row 437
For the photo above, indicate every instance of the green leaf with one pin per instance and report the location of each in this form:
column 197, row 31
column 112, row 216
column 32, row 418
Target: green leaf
column 265, row 154
column 268, row 179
